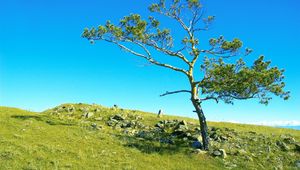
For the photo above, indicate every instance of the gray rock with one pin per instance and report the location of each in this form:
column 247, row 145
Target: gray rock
column 183, row 122
column 197, row 145
column 217, row 153
column 112, row 122
column 160, row 125
column 118, row 117
column 88, row 114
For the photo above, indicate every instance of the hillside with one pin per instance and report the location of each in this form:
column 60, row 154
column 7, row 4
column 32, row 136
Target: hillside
column 81, row 136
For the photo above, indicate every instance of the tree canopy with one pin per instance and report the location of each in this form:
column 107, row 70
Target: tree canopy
column 224, row 79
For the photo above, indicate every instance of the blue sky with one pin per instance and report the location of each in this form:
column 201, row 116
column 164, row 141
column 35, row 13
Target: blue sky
column 44, row 61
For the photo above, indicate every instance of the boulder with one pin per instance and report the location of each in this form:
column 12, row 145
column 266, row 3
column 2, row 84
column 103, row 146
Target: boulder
column 197, row 145
column 220, row 153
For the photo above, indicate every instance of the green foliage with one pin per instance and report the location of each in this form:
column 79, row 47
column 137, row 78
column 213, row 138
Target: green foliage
column 237, row 81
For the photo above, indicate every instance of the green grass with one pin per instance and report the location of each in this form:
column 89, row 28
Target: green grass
column 58, row 139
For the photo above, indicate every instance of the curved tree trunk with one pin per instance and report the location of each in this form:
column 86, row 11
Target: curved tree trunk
column 202, row 121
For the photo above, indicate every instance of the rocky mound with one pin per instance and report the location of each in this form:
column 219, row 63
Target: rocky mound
column 231, row 146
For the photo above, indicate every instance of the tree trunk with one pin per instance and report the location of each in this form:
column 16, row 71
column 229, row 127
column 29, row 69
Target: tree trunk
column 203, row 124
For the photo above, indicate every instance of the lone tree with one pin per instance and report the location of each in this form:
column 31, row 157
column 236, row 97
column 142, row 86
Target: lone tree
column 222, row 79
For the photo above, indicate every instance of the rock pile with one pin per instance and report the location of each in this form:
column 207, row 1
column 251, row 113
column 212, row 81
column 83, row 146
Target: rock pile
column 125, row 122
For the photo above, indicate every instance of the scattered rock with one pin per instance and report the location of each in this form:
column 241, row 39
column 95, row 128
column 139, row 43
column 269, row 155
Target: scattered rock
column 118, row 117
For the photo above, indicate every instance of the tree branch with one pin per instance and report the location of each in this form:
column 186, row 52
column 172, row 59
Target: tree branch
column 148, row 57
column 175, row 92
column 210, row 98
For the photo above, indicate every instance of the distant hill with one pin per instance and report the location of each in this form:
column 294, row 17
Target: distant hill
column 82, row 136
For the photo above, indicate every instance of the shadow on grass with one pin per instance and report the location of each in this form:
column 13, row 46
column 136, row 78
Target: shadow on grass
column 150, row 146
column 43, row 119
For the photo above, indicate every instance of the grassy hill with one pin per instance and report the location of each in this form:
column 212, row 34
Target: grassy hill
column 81, row 136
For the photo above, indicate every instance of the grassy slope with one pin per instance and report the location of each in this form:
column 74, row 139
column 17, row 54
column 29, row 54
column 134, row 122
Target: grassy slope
column 38, row 141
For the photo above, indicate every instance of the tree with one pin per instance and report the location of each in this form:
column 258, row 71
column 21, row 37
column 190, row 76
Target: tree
column 222, row 79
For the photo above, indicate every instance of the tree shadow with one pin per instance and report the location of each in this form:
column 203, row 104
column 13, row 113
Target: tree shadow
column 149, row 146
column 43, row 118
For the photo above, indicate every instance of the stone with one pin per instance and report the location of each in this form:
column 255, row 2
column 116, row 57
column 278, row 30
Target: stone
column 197, row 145
column 112, row 122
column 217, row 153
column 223, row 138
column 181, row 127
column 159, row 125
column 118, row 117
column 88, row 114
column 223, row 152
column 183, row 122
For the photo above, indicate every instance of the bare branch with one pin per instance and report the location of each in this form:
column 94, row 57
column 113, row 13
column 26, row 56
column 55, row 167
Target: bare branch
column 175, row 92
column 147, row 57
column 210, row 98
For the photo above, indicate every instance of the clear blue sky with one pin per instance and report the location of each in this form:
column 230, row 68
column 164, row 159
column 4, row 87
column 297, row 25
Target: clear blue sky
column 44, row 61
